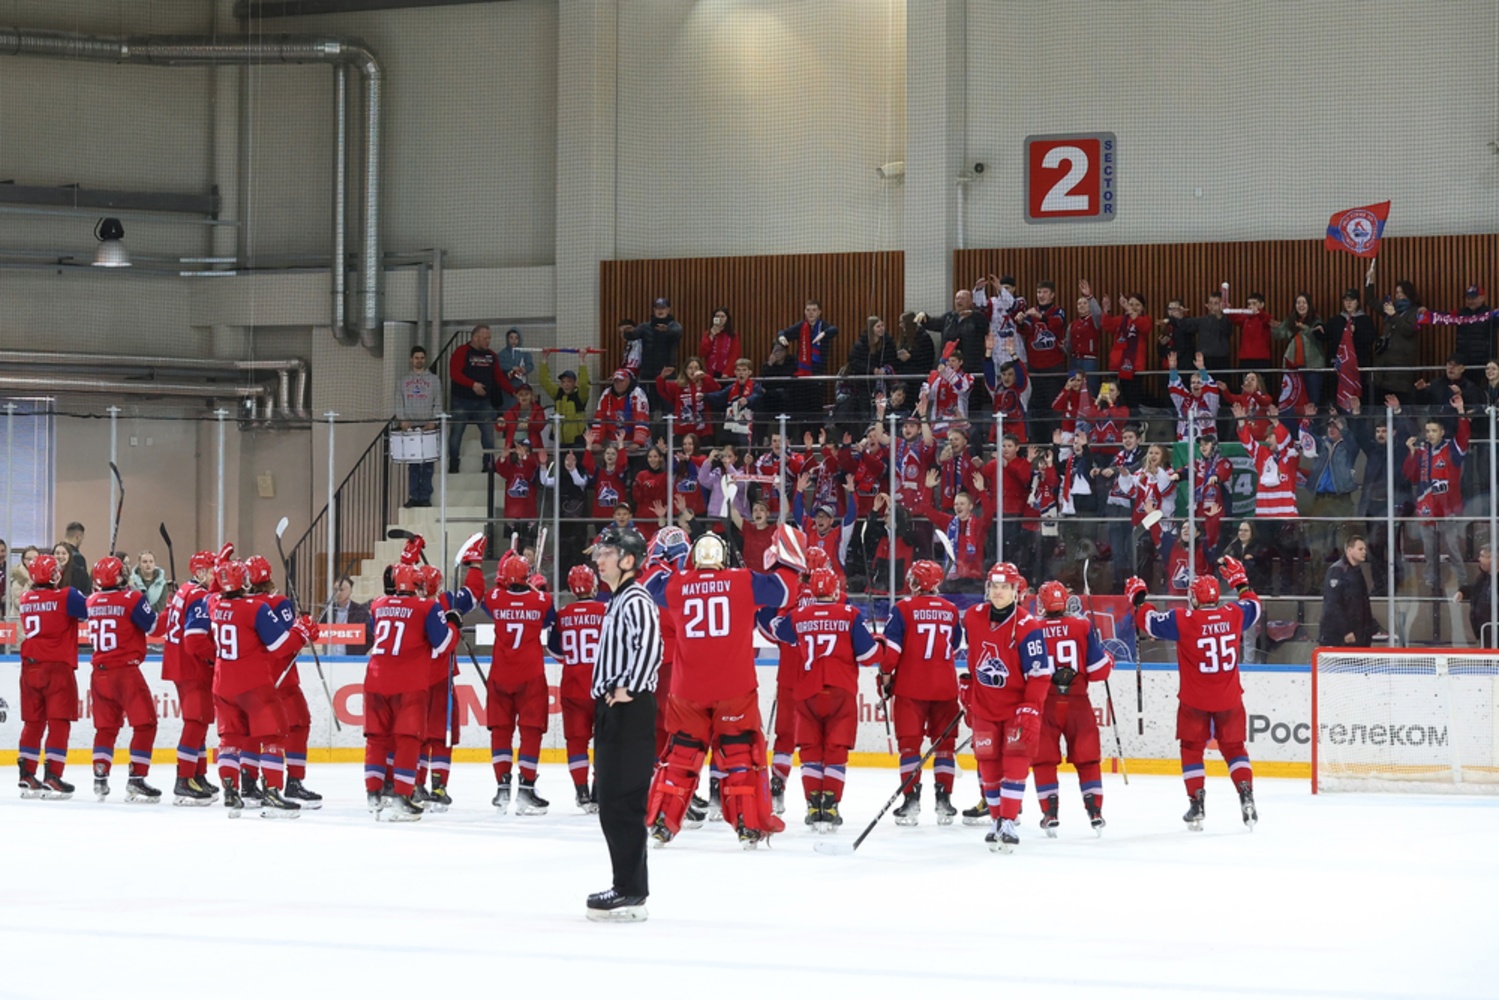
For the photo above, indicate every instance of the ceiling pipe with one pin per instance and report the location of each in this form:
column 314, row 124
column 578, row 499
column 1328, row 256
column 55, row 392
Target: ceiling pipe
column 292, row 406
column 51, row 384
column 168, row 50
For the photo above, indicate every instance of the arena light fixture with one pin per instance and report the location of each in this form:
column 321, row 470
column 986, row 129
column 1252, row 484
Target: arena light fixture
column 111, row 236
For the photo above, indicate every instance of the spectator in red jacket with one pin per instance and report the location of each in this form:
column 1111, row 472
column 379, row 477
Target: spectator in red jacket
column 525, row 420
column 720, row 345
column 686, row 396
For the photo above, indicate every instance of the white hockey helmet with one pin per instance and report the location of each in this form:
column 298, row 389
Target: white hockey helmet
column 709, row 552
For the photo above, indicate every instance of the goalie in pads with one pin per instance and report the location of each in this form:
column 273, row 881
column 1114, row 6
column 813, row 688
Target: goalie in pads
column 1208, row 637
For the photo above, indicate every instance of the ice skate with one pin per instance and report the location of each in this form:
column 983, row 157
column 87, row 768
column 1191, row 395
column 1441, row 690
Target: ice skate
column 910, row 810
column 1002, row 836
column 661, row 835
column 777, row 794
column 584, row 799
column 1198, row 811
column 749, row 839
column 1246, row 804
column 233, row 804
column 527, row 802
column 1095, row 813
column 814, row 810
column 401, row 809
column 1049, row 821
column 252, row 793
column 977, row 816
column 56, row 788
column 274, row 805
column 188, row 792
column 420, row 795
column 136, row 790
column 829, row 821
column 374, row 802
column 610, row 906
column 298, row 793
column 693, row 818
column 944, row 808
column 208, row 786
column 101, row 788
column 715, row 802
column 31, row 788
column 501, row 800
column 441, row 800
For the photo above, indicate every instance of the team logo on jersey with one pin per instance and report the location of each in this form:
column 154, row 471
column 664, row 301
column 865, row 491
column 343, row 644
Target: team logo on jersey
column 1044, row 340
column 519, row 488
column 608, row 496
column 990, row 669
column 1181, row 578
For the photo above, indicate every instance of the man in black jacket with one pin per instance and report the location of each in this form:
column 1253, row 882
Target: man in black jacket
column 969, row 328
column 659, row 338
column 1477, row 594
column 1347, row 618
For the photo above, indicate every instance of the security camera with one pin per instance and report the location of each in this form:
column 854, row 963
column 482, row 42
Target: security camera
column 978, row 168
column 891, row 171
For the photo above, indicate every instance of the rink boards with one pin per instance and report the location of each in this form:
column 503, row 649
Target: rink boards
column 1277, row 698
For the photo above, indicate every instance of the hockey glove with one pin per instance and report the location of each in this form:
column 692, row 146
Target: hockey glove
column 1135, row 590
column 965, row 682
column 473, row 549
column 1234, row 573
column 1063, row 677
column 307, row 629
column 1027, row 726
column 411, row 555
column 225, row 554
column 886, row 684
column 453, row 618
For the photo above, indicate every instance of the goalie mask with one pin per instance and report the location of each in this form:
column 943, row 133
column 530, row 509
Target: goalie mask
column 710, row 552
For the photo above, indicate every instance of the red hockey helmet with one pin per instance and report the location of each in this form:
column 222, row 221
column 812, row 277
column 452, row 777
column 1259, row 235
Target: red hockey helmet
column 924, row 576
column 109, row 573
column 1204, row 591
column 230, row 575
column 404, row 577
column 583, row 582
column 44, row 571
column 429, row 580
column 818, row 558
column 825, row 583
column 1005, row 573
column 1052, row 596
column 258, row 570
column 201, row 562
column 538, row 582
column 1020, row 582
column 512, row 571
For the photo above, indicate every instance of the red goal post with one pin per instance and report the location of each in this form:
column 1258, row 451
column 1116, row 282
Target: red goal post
column 1405, row 720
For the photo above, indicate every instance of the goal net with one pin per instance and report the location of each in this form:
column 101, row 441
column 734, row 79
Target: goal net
column 1405, row 720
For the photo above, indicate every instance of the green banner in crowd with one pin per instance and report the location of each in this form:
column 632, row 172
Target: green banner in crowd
column 1240, row 484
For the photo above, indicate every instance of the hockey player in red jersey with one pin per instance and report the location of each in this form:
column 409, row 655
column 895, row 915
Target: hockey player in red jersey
column 575, row 642
column 289, row 686
column 1208, row 637
column 517, row 681
column 921, row 639
column 714, row 698
column 49, row 615
column 119, row 619
column 1077, row 659
column 193, row 677
column 411, row 633
column 1010, row 676
column 666, row 555
column 835, row 641
column 442, row 708
column 791, row 559
column 250, row 639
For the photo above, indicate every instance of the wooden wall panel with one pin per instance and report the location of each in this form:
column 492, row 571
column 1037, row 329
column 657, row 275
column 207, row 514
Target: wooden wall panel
column 764, row 295
column 1440, row 266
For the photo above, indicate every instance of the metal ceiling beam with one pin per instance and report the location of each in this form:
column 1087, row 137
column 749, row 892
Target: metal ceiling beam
column 246, row 10
column 75, row 196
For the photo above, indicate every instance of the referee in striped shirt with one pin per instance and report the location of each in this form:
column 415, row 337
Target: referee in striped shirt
column 624, row 728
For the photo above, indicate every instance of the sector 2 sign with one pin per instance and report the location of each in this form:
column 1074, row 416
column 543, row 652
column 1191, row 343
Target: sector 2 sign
column 1072, row 178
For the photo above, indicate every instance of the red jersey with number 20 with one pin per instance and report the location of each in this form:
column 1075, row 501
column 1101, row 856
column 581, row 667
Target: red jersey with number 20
column 715, row 616
column 921, row 639
column 1208, row 641
column 575, row 641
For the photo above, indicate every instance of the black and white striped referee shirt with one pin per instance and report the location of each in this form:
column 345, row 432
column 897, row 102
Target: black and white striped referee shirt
column 629, row 643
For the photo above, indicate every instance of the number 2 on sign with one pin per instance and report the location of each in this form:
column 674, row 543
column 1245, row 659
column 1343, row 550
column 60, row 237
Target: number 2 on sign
column 1219, row 652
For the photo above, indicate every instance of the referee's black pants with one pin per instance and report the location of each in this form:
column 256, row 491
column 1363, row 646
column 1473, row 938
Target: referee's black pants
column 624, row 760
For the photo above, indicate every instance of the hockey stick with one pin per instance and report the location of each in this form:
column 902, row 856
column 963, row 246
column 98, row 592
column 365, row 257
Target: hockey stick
column 404, row 535
column 171, row 556
column 291, row 592
column 833, row 847
column 114, row 529
column 468, row 648
column 1108, row 694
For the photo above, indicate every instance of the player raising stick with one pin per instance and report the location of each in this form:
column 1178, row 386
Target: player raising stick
column 575, row 641
column 1011, row 674
column 1077, row 657
column 1208, row 638
column 288, row 685
column 921, row 638
column 517, row 681
column 119, row 619
column 835, row 641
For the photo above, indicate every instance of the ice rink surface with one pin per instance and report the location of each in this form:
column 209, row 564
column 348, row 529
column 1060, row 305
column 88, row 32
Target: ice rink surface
column 1356, row 896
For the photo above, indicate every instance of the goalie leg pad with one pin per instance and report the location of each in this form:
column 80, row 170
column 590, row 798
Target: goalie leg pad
column 745, row 789
column 672, row 785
